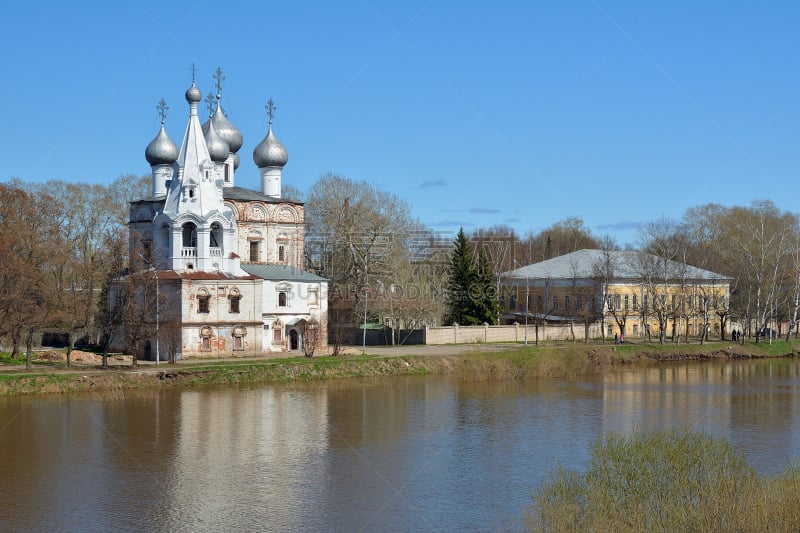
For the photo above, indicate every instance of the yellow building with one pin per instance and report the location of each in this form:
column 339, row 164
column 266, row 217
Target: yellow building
column 618, row 293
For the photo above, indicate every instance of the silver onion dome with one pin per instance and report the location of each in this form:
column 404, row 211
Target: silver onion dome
column 229, row 133
column 218, row 149
column 161, row 150
column 270, row 152
column 193, row 94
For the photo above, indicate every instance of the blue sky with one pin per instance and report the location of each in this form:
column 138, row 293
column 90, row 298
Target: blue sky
column 477, row 113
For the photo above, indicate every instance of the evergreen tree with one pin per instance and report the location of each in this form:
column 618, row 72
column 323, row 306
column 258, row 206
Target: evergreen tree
column 488, row 303
column 472, row 294
column 462, row 278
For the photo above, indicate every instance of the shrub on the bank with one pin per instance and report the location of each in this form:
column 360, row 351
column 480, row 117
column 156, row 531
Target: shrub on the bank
column 666, row 481
column 529, row 362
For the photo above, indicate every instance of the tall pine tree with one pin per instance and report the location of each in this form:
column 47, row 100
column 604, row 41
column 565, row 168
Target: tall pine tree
column 489, row 304
column 472, row 298
column 462, row 276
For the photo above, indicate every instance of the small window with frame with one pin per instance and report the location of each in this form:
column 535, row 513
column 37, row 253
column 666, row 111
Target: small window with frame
column 234, row 299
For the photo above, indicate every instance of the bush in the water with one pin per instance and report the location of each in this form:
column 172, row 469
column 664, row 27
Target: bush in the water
column 666, row 481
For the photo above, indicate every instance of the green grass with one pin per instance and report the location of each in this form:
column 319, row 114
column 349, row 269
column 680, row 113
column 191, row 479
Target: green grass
column 551, row 360
column 665, row 481
column 775, row 348
column 5, row 359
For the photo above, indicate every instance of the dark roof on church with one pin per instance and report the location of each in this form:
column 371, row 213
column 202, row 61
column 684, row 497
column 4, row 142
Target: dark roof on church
column 199, row 275
column 280, row 273
column 239, row 194
column 248, row 195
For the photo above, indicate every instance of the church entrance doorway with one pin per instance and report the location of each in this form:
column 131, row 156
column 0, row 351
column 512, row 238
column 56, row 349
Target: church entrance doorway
column 148, row 351
column 294, row 340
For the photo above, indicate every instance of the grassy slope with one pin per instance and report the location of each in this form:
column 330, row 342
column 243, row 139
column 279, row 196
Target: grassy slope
column 523, row 362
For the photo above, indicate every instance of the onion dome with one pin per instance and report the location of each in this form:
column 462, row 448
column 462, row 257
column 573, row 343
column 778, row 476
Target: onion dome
column 217, row 148
column 193, row 94
column 229, row 133
column 270, row 152
column 205, row 126
column 161, row 150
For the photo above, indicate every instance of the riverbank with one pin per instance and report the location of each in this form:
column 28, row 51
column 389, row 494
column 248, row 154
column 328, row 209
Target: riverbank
column 474, row 363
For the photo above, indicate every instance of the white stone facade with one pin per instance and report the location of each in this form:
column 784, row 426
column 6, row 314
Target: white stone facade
column 231, row 258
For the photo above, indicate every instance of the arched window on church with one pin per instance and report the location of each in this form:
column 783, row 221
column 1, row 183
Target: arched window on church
column 282, row 299
column 206, row 333
column 234, row 299
column 281, row 253
column 215, row 235
column 238, row 334
column 203, row 300
column 189, row 235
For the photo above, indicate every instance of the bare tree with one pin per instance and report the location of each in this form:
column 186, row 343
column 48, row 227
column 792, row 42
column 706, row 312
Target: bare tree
column 357, row 234
column 604, row 272
column 563, row 237
column 763, row 242
column 311, row 336
column 794, row 275
column 659, row 269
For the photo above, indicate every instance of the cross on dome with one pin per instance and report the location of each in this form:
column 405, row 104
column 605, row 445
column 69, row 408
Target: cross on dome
column 211, row 103
column 271, row 107
column 162, row 110
column 219, row 77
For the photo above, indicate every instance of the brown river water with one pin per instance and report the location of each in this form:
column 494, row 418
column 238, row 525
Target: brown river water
column 394, row 454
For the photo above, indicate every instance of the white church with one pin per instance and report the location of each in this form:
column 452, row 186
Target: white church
column 228, row 260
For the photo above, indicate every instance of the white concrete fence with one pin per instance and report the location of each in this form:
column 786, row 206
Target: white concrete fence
column 512, row 333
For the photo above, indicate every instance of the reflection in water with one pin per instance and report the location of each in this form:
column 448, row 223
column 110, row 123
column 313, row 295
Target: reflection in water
column 753, row 403
column 410, row 453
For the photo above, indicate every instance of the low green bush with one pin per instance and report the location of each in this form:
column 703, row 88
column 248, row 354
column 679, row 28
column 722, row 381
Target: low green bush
column 665, row 481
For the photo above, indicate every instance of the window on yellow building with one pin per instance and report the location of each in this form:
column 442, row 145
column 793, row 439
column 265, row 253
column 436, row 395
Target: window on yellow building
column 627, row 302
column 635, row 304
